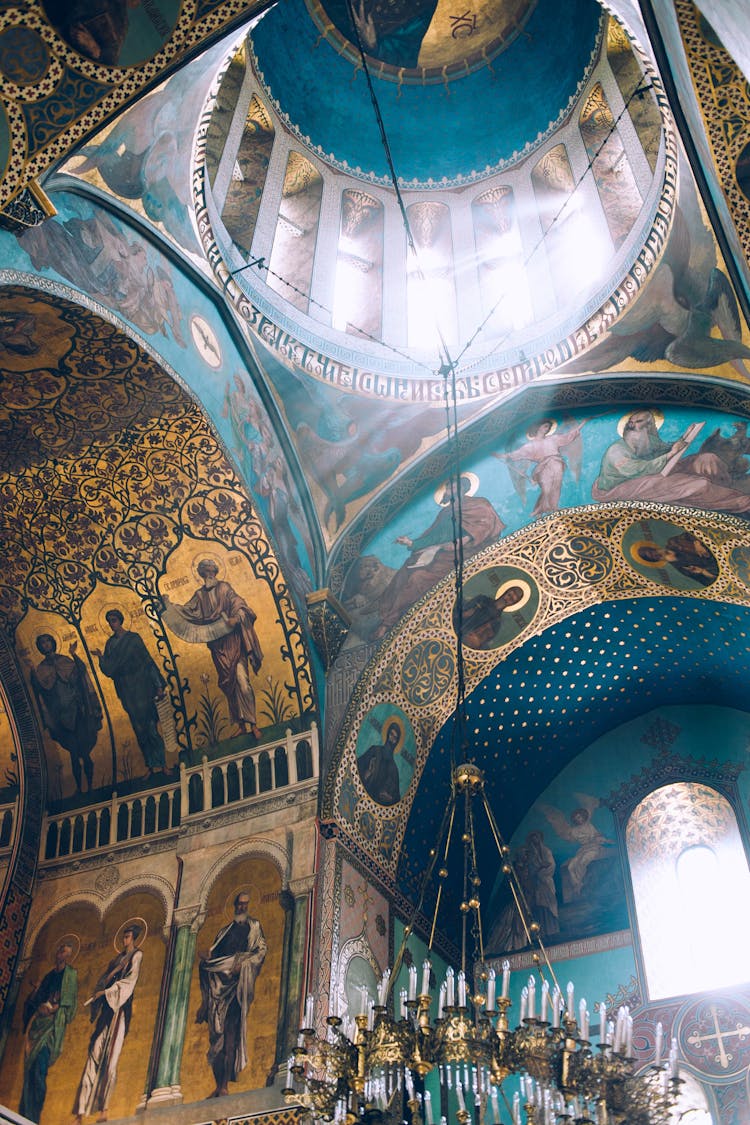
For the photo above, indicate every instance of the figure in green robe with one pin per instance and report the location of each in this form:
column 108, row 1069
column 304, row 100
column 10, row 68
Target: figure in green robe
column 46, row 1014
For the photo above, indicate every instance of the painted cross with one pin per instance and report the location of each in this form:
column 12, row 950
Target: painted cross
column 723, row 1057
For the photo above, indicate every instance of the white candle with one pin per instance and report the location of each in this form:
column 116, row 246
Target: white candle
column 426, row 971
column 402, row 1007
column 461, row 989
column 309, row 1011
column 516, row 1109
column 383, row 987
column 289, row 1072
column 362, row 1000
column 571, row 1001
column 491, row 986
column 556, row 1003
column 602, row 1022
column 441, row 999
column 545, row 1000
column 450, row 994
column 659, row 1044
column 524, row 1002
column 460, row 1096
column 531, row 1009
column 495, row 1107
column 506, row 979
column 428, row 1108
column 629, row 1037
column 412, row 982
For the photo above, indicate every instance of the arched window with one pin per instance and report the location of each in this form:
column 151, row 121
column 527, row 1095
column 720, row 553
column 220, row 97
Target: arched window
column 691, row 886
column 430, row 280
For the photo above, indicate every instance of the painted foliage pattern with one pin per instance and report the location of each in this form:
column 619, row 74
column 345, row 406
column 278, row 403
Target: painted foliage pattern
column 124, row 523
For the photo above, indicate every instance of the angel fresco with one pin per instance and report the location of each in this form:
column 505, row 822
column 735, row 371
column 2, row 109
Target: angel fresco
column 543, row 450
column 96, row 256
column 580, row 830
column 687, row 298
column 390, row 30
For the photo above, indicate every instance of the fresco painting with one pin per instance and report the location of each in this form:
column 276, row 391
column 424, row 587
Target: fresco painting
column 76, row 955
column 386, row 754
column 114, row 32
column 257, row 883
column 8, row 766
column 700, row 459
column 566, row 851
column 428, row 34
column 670, row 555
column 498, row 604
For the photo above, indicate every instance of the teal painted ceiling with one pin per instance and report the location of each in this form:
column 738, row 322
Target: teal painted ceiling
column 569, row 686
column 435, row 131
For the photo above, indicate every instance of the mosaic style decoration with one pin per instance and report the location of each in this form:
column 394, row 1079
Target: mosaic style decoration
column 722, row 93
column 54, row 94
column 595, row 547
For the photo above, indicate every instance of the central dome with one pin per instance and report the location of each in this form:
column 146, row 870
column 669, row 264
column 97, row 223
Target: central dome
column 447, row 124
column 535, row 177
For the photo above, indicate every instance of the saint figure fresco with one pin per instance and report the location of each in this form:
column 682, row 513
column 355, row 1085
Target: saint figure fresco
column 227, row 978
column 111, row 1007
column 216, row 615
column 47, row 1011
column 69, row 706
column 543, row 449
column 378, row 769
column 138, row 683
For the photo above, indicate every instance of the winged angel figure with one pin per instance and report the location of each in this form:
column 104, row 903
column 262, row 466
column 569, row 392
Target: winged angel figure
column 581, row 830
column 540, row 461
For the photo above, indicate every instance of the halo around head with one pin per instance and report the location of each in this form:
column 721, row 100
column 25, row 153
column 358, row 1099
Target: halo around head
column 198, row 559
column 532, row 430
column 657, row 415
column 104, row 624
column 635, row 553
column 393, row 720
column 473, row 480
column 522, row 584
column 119, row 941
column 73, row 941
column 245, row 889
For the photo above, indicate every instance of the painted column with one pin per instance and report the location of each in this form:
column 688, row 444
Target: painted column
column 167, row 1090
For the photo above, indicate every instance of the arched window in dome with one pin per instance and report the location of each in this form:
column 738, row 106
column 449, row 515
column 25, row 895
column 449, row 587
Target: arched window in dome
column 691, row 886
column 502, row 274
column 239, row 212
column 430, row 283
column 576, row 252
column 642, row 107
column 293, row 251
column 358, row 295
column 613, row 174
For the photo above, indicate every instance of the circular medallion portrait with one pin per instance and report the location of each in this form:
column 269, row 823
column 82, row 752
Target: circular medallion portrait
column 386, row 753
column 669, row 554
column 498, row 603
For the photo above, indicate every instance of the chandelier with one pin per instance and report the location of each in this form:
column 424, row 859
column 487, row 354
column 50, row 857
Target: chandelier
column 421, row 1056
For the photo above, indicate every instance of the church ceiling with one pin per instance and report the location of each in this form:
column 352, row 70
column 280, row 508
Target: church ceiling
column 112, row 490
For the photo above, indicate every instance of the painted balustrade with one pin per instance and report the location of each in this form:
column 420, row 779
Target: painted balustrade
column 241, row 778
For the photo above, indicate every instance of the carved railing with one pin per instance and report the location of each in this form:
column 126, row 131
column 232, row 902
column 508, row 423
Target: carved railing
column 240, row 779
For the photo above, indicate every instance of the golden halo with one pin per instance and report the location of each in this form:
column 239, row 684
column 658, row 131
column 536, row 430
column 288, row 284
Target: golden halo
column 515, row 582
column 658, row 417
column 197, row 559
column 56, row 636
column 400, row 724
column 473, row 480
column 635, row 554
column 72, row 940
column 129, row 921
column 127, row 618
column 246, row 889
column 553, row 426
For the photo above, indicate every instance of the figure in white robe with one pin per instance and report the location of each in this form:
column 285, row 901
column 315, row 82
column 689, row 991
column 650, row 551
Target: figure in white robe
column 580, row 830
column 111, row 1008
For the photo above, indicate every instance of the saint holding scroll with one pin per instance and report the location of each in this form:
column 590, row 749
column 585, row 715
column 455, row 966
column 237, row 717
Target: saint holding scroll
column 216, row 615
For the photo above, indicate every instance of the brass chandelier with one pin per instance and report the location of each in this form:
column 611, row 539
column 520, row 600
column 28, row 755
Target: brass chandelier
column 375, row 1067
